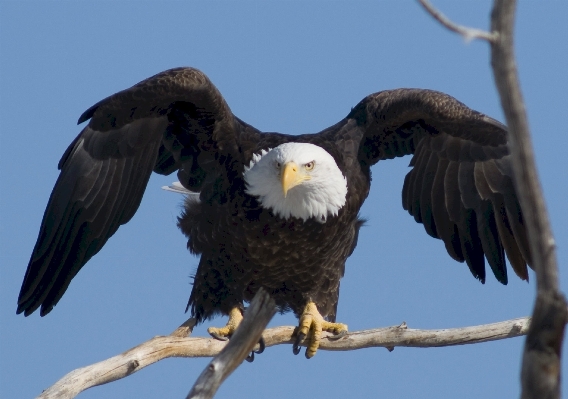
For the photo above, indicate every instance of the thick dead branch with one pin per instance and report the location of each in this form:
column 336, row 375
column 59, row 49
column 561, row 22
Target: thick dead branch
column 163, row 347
column 257, row 316
column 467, row 33
column 526, row 178
column 540, row 375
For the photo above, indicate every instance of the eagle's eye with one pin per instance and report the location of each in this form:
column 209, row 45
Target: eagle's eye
column 310, row 165
column 277, row 164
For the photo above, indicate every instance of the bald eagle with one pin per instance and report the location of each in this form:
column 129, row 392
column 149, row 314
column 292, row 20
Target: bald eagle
column 274, row 210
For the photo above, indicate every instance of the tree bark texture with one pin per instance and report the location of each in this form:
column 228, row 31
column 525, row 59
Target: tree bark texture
column 540, row 375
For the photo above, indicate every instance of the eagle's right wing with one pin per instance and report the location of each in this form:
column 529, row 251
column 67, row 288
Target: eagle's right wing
column 175, row 120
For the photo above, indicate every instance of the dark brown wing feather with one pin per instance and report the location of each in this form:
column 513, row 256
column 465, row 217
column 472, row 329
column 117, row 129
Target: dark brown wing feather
column 460, row 187
column 154, row 125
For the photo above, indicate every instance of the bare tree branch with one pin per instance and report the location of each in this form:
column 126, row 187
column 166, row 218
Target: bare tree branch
column 119, row 366
column 467, row 33
column 260, row 312
column 540, row 375
column 526, row 178
column 163, row 347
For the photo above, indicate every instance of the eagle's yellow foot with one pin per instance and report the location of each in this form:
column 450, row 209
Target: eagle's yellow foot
column 311, row 325
column 224, row 333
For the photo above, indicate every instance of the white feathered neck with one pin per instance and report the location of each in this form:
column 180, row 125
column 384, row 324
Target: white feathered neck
column 323, row 195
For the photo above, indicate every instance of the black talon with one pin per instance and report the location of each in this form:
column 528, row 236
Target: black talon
column 296, row 347
column 219, row 337
column 250, row 358
column 261, row 346
column 337, row 336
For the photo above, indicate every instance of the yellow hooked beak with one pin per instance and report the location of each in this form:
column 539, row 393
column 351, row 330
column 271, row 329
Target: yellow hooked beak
column 292, row 175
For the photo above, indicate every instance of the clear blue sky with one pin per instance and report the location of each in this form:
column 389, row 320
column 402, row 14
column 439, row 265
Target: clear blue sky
column 292, row 67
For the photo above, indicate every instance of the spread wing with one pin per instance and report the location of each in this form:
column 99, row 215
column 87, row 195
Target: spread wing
column 175, row 120
column 461, row 184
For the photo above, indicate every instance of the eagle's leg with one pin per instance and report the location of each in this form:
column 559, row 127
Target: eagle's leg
column 311, row 325
column 224, row 333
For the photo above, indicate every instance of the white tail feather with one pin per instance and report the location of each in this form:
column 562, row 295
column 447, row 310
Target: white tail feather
column 176, row 187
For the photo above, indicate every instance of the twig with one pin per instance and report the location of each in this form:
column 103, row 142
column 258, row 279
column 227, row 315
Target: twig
column 467, row 33
column 163, row 347
column 541, row 369
column 257, row 316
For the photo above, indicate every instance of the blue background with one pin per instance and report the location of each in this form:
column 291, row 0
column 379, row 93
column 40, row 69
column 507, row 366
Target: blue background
column 287, row 66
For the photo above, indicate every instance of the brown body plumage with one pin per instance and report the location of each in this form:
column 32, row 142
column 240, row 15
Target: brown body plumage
column 243, row 247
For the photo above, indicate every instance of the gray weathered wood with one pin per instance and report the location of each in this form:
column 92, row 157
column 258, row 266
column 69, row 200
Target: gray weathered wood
column 260, row 312
column 466, row 32
column 541, row 370
column 117, row 367
column 163, row 347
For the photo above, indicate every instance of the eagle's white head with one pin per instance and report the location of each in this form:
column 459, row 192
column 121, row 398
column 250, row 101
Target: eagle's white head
column 297, row 179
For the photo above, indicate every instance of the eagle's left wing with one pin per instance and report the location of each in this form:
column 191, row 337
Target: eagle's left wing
column 461, row 184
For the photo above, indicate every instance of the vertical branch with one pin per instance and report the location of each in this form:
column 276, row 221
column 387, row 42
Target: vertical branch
column 540, row 375
column 257, row 316
column 530, row 193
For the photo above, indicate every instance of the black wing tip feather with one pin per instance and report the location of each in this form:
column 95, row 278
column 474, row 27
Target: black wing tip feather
column 27, row 299
column 28, row 311
column 21, row 309
column 29, row 302
column 30, row 306
column 45, row 291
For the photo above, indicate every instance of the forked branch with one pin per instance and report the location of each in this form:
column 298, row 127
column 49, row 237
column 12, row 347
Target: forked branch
column 467, row 33
column 257, row 316
column 163, row 347
column 541, row 370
